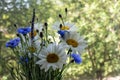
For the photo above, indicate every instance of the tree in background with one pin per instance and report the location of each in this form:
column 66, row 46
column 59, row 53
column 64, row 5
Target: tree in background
column 99, row 23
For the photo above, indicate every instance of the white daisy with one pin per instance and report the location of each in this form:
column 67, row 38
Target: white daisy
column 34, row 46
column 31, row 47
column 74, row 41
column 66, row 26
column 53, row 56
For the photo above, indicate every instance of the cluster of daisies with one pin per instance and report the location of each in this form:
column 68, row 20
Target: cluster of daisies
column 48, row 54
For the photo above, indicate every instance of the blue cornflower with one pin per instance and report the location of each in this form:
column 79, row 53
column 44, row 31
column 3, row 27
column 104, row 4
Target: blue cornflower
column 13, row 43
column 22, row 59
column 26, row 60
column 62, row 33
column 76, row 58
column 24, row 31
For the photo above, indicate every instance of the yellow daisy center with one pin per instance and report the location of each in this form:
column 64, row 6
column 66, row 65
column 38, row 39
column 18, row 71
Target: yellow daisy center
column 64, row 28
column 34, row 33
column 72, row 42
column 32, row 49
column 52, row 58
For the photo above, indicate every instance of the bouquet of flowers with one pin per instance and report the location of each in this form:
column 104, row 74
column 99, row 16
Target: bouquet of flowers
column 40, row 55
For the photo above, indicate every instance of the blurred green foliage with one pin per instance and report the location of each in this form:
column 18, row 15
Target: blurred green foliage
column 97, row 20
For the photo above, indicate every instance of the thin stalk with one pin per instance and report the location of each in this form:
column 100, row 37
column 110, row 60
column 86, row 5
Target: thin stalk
column 32, row 25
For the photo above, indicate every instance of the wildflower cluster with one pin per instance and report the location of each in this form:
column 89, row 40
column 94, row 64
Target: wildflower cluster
column 40, row 58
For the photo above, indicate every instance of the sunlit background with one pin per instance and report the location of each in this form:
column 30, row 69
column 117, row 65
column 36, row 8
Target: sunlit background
column 98, row 21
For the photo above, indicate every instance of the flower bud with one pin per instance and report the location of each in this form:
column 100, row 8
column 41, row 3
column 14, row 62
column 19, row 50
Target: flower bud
column 41, row 34
column 60, row 26
column 72, row 61
column 66, row 10
column 45, row 25
column 43, row 29
column 37, row 31
column 18, row 35
column 60, row 15
column 15, row 25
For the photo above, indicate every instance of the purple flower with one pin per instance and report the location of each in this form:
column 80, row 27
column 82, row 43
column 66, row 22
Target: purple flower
column 24, row 31
column 76, row 58
column 13, row 43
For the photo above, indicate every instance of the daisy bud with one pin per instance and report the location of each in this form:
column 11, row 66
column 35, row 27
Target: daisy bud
column 60, row 15
column 45, row 25
column 43, row 29
column 66, row 10
column 17, row 34
column 37, row 31
column 60, row 26
column 72, row 61
column 41, row 34
column 15, row 25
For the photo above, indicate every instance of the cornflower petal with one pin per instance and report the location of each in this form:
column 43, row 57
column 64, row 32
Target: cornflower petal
column 13, row 43
column 24, row 31
column 76, row 58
